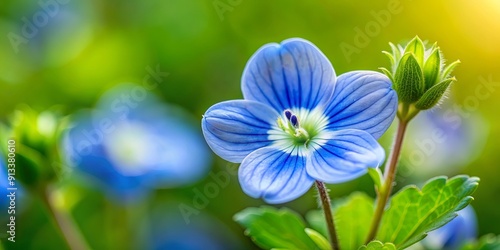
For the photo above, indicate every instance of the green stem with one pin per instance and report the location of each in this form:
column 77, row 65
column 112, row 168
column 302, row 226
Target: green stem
column 117, row 223
column 120, row 221
column 325, row 203
column 389, row 175
column 63, row 223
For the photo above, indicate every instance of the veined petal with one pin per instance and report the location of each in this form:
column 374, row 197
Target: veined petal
column 362, row 100
column 343, row 155
column 234, row 129
column 293, row 74
column 275, row 175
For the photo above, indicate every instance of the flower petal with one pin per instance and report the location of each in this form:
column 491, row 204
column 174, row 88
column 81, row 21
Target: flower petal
column 293, row 74
column 234, row 129
column 275, row 175
column 362, row 100
column 344, row 155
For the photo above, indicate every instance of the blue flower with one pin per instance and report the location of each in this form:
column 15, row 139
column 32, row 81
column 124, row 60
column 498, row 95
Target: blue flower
column 298, row 122
column 443, row 141
column 132, row 143
column 456, row 233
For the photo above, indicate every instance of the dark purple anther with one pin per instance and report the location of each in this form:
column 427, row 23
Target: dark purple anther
column 288, row 114
column 295, row 121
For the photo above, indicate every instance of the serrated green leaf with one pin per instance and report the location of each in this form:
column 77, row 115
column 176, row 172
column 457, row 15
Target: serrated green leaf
column 487, row 242
column 448, row 69
column 413, row 213
column 432, row 68
column 409, row 80
column 416, row 47
column 352, row 218
column 318, row 238
column 377, row 245
column 433, row 95
column 271, row 228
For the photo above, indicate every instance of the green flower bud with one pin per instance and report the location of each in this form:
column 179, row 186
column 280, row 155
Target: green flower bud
column 419, row 76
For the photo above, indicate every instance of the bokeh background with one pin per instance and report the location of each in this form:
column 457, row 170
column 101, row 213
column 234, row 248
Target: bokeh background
column 85, row 48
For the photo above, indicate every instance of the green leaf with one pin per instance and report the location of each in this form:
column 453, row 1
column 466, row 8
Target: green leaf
column 270, row 228
column 352, row 219
column 433, row 95
column 319, row 239
column 487, row 242
column 409, row 79
column 377, row 245
column 432, row 68
column 316, row 220
column 416, row 47
column 377, row 177
column 413, row 213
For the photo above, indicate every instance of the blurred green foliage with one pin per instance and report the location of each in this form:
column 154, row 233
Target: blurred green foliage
column 86, row 47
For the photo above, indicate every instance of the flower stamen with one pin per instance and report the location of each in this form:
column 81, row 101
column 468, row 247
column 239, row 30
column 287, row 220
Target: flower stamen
column 288, row 114
column 290, row 124
column 294, row 121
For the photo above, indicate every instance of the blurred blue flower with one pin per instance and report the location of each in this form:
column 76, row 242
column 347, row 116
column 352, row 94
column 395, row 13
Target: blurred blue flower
column 131, row 143
column 442, row 141
column 453, row 235
column 299, row 123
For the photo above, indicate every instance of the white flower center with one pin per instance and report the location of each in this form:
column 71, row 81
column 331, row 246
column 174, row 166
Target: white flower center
column 298, row 131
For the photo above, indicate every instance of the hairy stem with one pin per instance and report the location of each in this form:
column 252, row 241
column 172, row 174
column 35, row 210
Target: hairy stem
column 325, row 203
column 389, row 175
